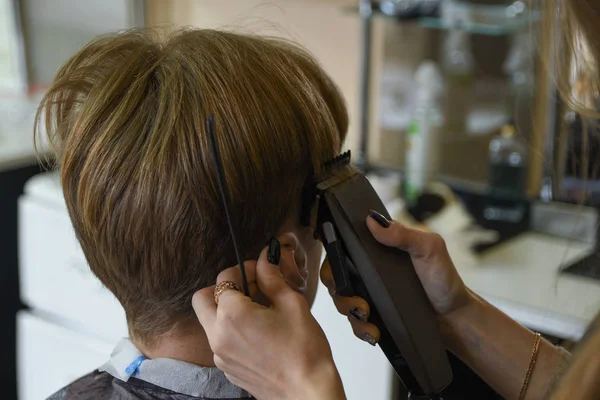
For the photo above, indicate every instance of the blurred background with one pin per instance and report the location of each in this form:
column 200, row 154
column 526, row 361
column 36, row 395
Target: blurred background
column 453, row 117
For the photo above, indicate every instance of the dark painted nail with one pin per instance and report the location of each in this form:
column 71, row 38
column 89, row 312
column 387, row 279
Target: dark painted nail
column 359, row 314
column 381, row 220
column 369, row 339
column 274, row 251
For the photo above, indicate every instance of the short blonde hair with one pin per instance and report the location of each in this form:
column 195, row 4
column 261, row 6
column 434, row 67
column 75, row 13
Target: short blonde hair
column 126, row 116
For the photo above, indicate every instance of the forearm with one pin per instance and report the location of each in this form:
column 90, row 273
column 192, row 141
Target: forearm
column 499, row 349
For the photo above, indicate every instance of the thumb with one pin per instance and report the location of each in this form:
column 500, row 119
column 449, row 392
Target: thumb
column 394, row 234
column 419, row 244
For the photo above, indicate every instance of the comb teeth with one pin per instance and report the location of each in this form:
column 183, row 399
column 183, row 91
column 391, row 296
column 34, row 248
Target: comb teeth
column 338, row 161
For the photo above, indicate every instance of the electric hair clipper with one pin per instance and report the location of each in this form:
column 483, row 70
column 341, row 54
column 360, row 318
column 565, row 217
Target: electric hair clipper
column 383, row 276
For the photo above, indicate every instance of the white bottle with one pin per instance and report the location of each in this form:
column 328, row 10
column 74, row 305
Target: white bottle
column 520, row 68
column 424, row 134
column 459, row 70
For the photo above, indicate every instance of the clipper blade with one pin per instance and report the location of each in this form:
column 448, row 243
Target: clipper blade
column 336, row 170
column 338, row 161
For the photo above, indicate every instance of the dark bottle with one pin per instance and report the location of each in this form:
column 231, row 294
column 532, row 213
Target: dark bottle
column 508, row 177
column 508, row 164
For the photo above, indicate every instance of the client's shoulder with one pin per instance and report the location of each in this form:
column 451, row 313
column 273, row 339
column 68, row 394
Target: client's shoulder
column 91, row 386
column 103, row 386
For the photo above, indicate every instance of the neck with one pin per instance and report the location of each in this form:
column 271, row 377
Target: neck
column 188, row 344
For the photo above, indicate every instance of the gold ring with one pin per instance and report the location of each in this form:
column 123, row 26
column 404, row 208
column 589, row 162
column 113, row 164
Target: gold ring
column 223, row 287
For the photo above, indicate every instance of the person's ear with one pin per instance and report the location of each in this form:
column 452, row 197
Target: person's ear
column 293, row 261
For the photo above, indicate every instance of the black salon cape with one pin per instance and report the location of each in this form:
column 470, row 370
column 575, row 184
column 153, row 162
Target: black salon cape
column 103, row 386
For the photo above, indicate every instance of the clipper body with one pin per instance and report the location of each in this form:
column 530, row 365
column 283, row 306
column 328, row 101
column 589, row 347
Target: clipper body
column 386, row 279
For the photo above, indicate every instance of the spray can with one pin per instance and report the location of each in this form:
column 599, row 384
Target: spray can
column 424, row 134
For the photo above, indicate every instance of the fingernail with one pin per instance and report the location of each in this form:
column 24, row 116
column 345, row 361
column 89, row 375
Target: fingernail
column 359, row 314
column 381, row 220
column 274, row 251
column 369, row 339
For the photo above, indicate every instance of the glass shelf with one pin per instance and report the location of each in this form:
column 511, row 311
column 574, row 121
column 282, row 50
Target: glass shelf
column 477, row 28
column 485, row 20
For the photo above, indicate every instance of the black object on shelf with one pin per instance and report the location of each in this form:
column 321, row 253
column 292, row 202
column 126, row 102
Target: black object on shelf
column 476, row 204
column 475, row 201
column 426, row 206
column 587, row 267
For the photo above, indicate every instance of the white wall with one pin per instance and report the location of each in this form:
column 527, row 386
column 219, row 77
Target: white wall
column 56, row 29
column 324, row 27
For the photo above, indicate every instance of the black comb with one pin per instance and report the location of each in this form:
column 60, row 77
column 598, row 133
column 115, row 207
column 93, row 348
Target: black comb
column 210, row 129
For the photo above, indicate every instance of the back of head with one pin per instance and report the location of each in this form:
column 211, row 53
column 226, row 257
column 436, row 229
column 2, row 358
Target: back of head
column 126, row 116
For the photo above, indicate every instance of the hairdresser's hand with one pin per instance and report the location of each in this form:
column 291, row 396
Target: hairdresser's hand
column 276, row 352
column 433, row 266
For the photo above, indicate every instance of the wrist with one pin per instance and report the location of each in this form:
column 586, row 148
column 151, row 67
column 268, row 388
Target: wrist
column 459, row 327
column 323, row 382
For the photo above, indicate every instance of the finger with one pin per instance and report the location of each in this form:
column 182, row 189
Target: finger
column 327, row 277
column 271, row 281
column 234, row 274
column 365, row 331
column 418, row 243
column 356, row 307
column 347, row 306
column 233, row 300
column 203, row 303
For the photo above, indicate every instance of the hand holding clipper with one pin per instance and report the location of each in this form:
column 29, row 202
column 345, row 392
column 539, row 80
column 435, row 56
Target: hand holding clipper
column 383, row 276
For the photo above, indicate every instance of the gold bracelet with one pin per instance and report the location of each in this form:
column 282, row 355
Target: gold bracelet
column 532, row 361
